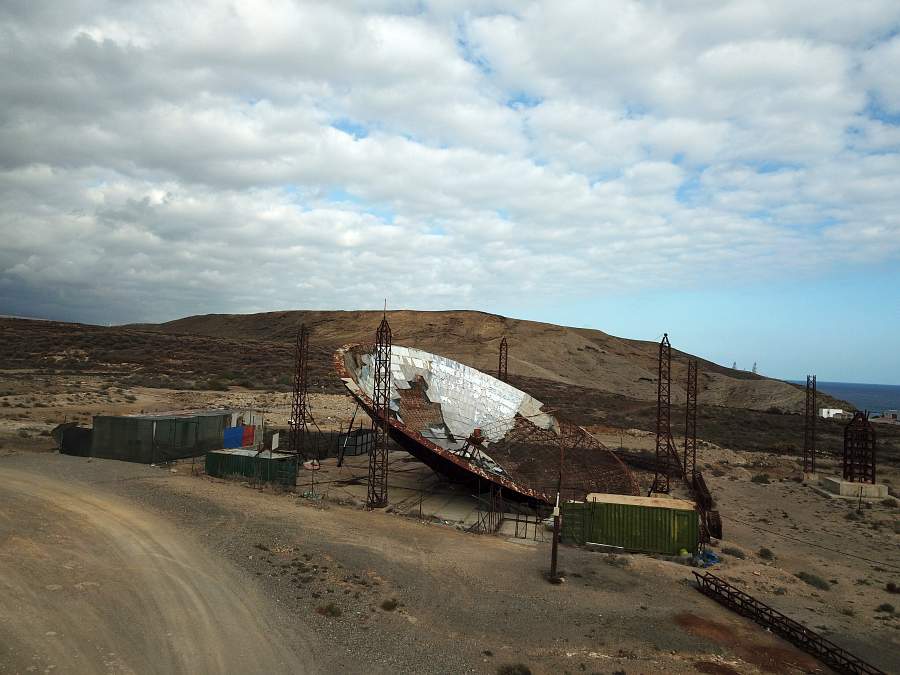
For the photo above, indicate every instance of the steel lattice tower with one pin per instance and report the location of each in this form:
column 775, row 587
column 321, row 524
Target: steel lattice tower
column 690, row 424
column 859, row 449
column 665, row 447
column 809, row 426
column 503, row 363
column 297, row 424
column 381, row 398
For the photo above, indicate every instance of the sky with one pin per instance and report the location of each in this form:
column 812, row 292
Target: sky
column 727, row 172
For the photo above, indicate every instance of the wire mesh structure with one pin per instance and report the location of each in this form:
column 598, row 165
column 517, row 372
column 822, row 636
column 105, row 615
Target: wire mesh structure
column 666, row 455
column 859, row 449
column 690, row 423
column 470, row 426
column 381, row 398
column 809, row 426
column 503, row 363
column 298, row 422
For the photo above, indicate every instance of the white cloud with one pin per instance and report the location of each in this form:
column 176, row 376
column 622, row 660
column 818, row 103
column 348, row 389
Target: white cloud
column 164, row 158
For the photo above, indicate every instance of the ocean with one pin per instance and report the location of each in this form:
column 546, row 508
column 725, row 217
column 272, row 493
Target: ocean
column 875, row 398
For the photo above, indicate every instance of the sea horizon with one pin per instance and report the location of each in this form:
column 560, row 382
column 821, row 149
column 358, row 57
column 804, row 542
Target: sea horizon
column 875, row 398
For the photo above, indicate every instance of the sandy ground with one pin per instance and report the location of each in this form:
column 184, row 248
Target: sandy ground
column 466, row 603
column 92, row 584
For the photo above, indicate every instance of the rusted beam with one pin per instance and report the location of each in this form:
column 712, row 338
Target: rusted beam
column 808, row 640
column 503, row 363
column 381, row 398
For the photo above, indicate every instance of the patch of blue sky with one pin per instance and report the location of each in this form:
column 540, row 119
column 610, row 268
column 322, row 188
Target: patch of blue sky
column 339, row 195
column 467, row 51
column 351, row 127
column 687, row 192
column 521, row 100
column 721, row 321
column 438, row 230
column 771, row 166
column 876, row 111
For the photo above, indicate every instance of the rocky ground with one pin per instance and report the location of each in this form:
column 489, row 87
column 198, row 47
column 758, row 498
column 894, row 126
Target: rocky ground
column 324, row 576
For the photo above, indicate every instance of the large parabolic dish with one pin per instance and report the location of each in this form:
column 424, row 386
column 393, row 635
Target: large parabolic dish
column 469, row 426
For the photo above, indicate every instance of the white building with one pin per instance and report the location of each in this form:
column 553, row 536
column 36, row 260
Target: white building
column 828, row 413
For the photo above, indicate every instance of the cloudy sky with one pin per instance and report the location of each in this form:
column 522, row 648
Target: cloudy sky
column 726, row 171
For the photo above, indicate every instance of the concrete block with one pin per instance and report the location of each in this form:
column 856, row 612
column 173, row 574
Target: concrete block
column 845, row 488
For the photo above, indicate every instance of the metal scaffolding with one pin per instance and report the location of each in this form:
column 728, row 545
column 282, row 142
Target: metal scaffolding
column 666, row 455
column 381, row 398
column 503, row 363
column 690, row 424
column 809, row 426
column 298, row 422
column 859, row 449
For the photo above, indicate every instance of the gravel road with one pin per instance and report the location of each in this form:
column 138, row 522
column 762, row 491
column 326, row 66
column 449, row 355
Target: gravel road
column 92, row 584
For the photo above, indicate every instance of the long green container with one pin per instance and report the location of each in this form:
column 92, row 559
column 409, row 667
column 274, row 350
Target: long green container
column 265, row 467
column 636, row 524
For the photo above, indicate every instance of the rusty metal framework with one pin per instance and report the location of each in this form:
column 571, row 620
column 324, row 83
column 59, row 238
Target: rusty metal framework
column 690, row 423
column 859, row 449
column 809, row 426
column 667, row 457
column 490, row 508
column 503, row 363
column 378, row 455
column 825, row 650
column 300, row 417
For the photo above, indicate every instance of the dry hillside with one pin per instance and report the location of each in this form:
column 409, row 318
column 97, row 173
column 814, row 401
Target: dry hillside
column 576, row 356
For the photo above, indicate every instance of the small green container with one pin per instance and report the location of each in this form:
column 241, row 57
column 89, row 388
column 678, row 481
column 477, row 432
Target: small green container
column 635, row 524
column 265, row 467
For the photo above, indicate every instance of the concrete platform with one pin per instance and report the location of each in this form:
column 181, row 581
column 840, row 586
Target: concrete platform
column 844, row 488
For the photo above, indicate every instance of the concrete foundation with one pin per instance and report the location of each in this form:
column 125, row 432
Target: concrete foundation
column 845, row 488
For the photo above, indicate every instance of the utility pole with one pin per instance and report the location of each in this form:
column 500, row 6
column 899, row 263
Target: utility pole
column 554, row 577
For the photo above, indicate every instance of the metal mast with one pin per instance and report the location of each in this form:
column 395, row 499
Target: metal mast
column 690, row 424
column 503, row 363
column 859, row 449
column 381, row 397
column 809, row 426
column 665, row 447
column 297, row 424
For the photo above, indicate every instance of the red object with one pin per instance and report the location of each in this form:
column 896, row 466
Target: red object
column 248, row 437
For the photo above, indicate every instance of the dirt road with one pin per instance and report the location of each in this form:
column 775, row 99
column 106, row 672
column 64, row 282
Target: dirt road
column 89, row 583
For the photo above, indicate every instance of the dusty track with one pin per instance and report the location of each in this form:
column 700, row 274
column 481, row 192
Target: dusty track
column 91, row 584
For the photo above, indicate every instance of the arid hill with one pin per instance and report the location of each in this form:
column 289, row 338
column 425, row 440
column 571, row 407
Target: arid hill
column 585, row 358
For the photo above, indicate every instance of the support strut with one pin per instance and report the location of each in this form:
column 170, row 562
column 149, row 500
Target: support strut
column 809, row 426
column 381, row 397
column 503, row 363
column 298, row 422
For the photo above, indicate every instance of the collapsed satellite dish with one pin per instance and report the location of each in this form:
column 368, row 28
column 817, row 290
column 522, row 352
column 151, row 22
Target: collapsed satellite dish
column 470, row 426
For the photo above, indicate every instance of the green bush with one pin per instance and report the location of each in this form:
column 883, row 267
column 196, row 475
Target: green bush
column 885, row 607
column 330, row 609
column 890, row 501
column 762, row 478
column 766, row 554
column 389, row 605
column 514, row 669
column 734, row 552
column 814, row 580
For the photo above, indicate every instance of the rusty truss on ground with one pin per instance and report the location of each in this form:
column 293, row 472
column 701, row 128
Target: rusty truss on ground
column 470, row 426
column 808, row 640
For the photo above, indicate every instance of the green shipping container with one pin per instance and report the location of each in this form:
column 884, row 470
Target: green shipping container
column 265, row 467
column 636, row 524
